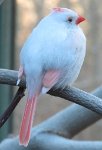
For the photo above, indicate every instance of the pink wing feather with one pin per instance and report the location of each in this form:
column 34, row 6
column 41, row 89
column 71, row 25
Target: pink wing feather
column 51, row 77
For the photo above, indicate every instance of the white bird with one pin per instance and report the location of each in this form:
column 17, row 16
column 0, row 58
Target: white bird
column 52, row 56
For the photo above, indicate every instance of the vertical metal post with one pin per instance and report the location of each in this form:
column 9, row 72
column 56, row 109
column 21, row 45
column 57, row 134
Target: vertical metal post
column 7, row 11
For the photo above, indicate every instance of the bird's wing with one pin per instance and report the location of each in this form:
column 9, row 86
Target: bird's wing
column 50, row 79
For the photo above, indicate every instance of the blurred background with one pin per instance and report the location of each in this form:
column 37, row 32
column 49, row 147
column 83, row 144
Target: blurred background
column 17, row 19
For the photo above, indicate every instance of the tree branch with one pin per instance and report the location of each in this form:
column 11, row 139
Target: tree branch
column 65, row 123
column 79, row 97
column 10, row 77
column 49, row 142
column 72, row 94
column 11, row 107
column 54, row 142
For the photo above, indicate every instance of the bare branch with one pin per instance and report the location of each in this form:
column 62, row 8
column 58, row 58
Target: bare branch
column 72, row 94
column 80, row 97
column 9, row 77
column 66, row 124
column 11, row 107
column 49, row 142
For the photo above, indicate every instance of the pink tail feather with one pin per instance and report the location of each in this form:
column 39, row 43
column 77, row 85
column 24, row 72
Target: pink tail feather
column 27, row 121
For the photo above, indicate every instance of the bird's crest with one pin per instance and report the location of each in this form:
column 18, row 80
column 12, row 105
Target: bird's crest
column 58, row 9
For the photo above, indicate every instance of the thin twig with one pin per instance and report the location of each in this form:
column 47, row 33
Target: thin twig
column 11, row 107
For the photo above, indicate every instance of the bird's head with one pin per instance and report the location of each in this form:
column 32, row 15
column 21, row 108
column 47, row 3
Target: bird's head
column 67, row 15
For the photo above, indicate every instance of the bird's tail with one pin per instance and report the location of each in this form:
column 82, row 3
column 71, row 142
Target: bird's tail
column 25, row 129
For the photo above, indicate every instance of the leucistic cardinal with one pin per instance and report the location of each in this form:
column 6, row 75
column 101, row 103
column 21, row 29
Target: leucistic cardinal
column 52, row 56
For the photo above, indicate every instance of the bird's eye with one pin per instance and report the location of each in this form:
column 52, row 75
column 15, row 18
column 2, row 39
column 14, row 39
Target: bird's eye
column 70, row 19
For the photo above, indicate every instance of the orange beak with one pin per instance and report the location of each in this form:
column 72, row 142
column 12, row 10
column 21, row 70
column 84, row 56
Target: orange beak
column 80, row 19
